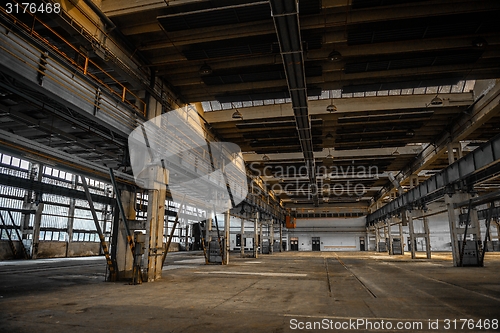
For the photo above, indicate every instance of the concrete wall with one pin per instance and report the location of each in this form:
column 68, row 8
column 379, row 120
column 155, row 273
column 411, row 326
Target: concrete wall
column 174, row 247
column 83, row 249
column 49, row 249
column 328, row 241
column 6, row 252
column 248, row 243
column 335, row 234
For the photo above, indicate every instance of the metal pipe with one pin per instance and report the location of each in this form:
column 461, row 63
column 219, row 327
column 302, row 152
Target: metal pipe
column 107, row 22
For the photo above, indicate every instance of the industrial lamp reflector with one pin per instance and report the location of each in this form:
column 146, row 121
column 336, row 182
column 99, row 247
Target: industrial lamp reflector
column 205, row 69
column 237, row 115
column 332, row 107
column 335, row 56
column 437, row 101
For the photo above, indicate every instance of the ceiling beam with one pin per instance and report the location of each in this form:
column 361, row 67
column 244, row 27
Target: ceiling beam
column 486, row 107
column 332, row 81
column 337, row 154
column 30, row 149
column 114, row 8
column 344, row 105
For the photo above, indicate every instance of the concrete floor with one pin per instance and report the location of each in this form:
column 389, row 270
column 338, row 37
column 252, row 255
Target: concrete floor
column 274, row 293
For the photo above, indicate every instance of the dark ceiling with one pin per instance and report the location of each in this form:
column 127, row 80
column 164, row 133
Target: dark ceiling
column 401, row 44
column 381, row 45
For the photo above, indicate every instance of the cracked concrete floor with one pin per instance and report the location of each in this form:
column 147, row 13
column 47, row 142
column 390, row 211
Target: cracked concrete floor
column 283, row 292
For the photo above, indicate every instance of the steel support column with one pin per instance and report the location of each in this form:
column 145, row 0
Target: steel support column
column 401, row 237
column 242, row 238
column 386, row 237
column 454, row 152
column 261, row 232
column 186, row 238
column 28, row 204
column 389, row 232
column 71, row 217
column 427, row 233
column 411, row 228
column 456, row 230
column 256, row 236
column 271, row 237
column 227, row 227
column 497, row 224
column 122, row 254
column 38, row 215
column 154, row 247
column 281, row 237
column 208, row 226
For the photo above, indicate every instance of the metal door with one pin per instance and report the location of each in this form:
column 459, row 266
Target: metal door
column 294, row 244
column 316, row 244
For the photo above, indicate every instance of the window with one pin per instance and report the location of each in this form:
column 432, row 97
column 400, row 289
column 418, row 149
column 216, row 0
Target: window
column 5, row 159
column 25, row 165
column 15, row 162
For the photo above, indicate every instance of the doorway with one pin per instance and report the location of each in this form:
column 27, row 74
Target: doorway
column 294, row 244
column 316, row 244
column 362, row 244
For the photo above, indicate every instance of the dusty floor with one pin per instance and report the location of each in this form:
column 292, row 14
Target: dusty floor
column 284, row 292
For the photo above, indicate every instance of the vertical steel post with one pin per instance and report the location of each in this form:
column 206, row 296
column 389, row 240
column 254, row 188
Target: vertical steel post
column 271, row 237
column 401, row 236
column 411, row 228
column 111, row 263
column 256, row 236
column 281, row 237
column 71, row 216
column 227, row 244
column 242, row 238
column 427, row 237
column 136, row 274
column 389, row 232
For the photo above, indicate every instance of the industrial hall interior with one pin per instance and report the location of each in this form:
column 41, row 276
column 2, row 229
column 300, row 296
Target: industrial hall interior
column 249, row 165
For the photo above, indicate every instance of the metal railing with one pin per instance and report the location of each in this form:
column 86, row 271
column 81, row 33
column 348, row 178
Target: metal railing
column 88, row 69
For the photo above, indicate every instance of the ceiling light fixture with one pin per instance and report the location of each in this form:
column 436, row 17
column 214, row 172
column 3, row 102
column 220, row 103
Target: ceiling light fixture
column 329, row 136
column 205, row 69
column 335, row 56
column 265, row 158
column 396, row 152
column 332, row 107
column 479, row 42
column 329, row 156
column 410, row 132
column 436, row 101
column 237, row 115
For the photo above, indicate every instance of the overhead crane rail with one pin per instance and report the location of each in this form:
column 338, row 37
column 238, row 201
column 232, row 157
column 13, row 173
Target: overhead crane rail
column 479, row 165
